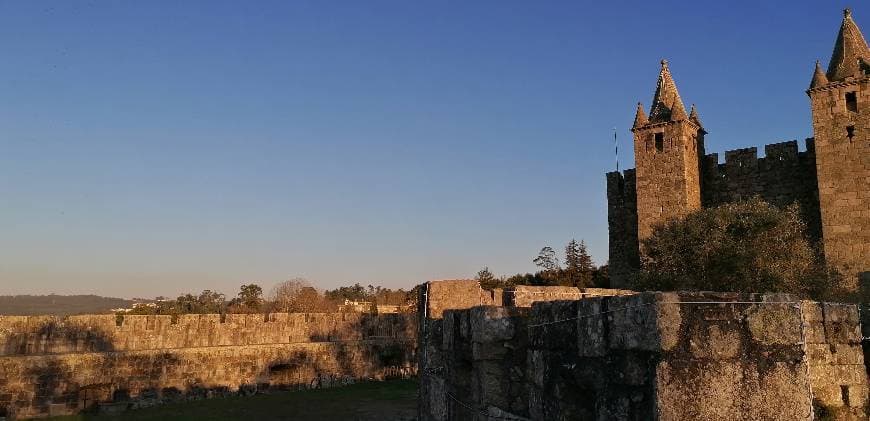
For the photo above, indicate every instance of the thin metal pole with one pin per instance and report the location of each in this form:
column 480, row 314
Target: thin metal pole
column 616, row 149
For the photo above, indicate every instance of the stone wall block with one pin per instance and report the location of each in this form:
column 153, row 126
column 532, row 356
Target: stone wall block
column 840, row 313
column 591, row 336
column 552, row 325
column 774, row 324
column 633, row 323
column 490, row 324
column 668, row 319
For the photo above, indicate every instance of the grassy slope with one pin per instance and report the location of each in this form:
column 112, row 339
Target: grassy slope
column 390, row 400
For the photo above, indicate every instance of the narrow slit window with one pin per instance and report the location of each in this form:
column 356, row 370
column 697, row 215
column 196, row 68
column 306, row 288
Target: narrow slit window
column 852, row 101
column 850, row 132
column 660, row 141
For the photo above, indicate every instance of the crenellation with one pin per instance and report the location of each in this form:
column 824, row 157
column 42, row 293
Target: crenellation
column 781, row 153
column 651, row 355
column 91, row 359
column 830, row 181
column 39, row 335
column 741, row 161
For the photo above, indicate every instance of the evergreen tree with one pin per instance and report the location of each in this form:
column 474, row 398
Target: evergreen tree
column 487, row 280
column 580, row 268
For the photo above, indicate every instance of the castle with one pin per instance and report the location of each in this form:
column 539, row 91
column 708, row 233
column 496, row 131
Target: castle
column 830, row 181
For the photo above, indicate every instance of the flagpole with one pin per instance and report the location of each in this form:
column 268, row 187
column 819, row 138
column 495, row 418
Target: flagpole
column 616, row 149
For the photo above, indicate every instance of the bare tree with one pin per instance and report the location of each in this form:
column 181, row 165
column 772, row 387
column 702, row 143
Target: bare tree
column 298, row 296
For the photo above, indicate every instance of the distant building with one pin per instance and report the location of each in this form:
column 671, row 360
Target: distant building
column 355, row 306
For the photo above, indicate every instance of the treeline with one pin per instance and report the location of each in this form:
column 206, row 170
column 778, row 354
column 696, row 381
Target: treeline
column 292, row 296
column 578, row 271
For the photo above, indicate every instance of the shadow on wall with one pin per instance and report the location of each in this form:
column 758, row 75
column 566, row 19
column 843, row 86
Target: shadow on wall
column 54, row 367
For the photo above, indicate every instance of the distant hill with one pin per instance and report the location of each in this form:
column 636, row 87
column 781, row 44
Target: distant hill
column 60, row 305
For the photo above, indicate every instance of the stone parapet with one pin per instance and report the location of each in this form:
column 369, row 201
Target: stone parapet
column 57, row 366
column 665, row 356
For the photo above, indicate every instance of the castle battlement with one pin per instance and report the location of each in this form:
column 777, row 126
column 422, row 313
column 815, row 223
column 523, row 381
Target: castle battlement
column 37, row 335
column 829, row 181
column 776, row 155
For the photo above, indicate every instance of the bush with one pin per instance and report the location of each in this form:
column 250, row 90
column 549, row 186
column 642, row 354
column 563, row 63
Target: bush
column 748, row 246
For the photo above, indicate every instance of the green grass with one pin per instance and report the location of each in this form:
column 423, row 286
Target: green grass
column 389, row 400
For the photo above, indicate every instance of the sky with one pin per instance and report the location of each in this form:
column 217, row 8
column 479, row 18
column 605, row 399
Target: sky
column 160, row 147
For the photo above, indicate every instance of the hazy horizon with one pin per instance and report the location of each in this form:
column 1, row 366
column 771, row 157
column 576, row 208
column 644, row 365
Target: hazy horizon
column 157, row 148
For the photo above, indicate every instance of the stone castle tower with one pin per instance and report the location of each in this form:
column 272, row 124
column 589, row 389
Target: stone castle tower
column 840, row 101
column 668, row 146
column 830, row 180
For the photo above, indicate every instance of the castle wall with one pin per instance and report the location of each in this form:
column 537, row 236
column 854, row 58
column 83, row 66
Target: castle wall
column 623, row 258
column 782, row 177
column 439, row 303
column 665, row 356
column 51, row 365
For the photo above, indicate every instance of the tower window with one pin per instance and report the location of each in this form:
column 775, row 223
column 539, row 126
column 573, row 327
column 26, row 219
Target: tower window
column 660, row 141
column 852, row 101
column 850, row 132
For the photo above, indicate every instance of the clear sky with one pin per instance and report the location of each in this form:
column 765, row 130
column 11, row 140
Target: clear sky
column 158, row 147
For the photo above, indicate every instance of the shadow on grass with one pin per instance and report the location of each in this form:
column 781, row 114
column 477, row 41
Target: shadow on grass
column 388, row 400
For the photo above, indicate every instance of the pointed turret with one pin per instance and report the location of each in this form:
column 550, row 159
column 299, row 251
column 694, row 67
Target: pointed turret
column 639, row 117
column 851, row 54
column 693, row 117
column 666, row 103
column 667, row 152
column 819, row 78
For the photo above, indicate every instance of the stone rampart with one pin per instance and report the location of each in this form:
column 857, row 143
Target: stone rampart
column 52, row 366
column 665, row 356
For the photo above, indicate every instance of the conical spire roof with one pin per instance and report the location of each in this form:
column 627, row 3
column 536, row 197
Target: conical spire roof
column 693, row 116
column 819, row 78
column 666, row 103
column 639, row 117
column 850, row 51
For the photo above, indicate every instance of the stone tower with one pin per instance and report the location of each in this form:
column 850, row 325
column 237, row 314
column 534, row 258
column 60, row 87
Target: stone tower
column 668, row 146
column 840, row 101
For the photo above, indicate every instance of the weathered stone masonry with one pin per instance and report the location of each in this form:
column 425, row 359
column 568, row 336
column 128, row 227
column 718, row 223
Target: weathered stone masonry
column 647, row 356
column 54, row 366
column 830, row 180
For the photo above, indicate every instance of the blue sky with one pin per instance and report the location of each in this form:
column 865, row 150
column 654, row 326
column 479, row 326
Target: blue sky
column 160, row 147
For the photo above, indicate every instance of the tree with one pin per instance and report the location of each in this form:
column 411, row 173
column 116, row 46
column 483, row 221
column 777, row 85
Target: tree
column 298, row 296
column 579, row 266
column 748, row 246
column 600, row 277
column 251, row 296
column 547, row 259
column 355, row 292
column 211, row 302
column 487, row 280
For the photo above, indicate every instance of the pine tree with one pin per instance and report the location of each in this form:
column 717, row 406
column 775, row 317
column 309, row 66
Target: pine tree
column 580, row 267
column 572, row 256
column 486, row 279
